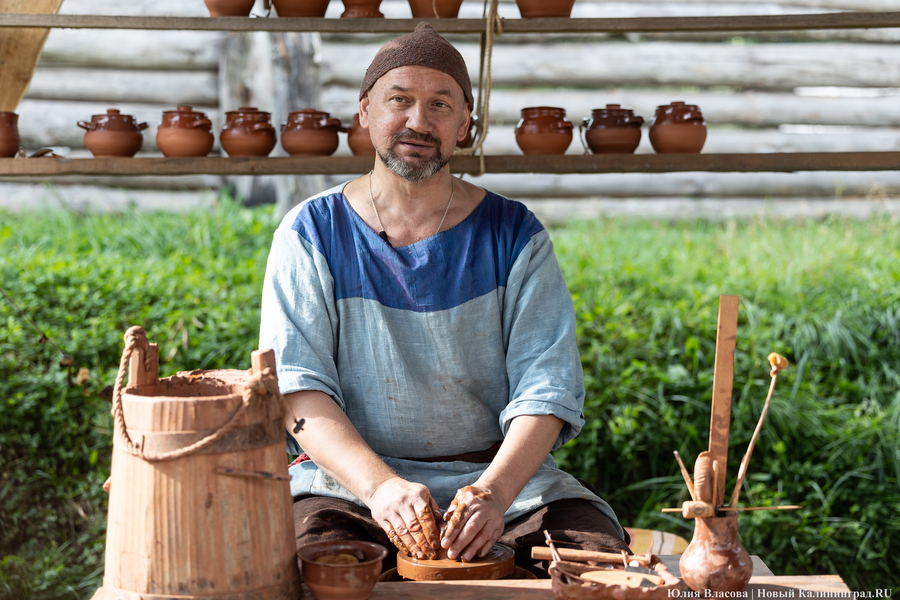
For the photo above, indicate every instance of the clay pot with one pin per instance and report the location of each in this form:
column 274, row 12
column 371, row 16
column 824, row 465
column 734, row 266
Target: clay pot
column 612, row 130
column 715, row 559
column 310, row 132
column 248, row 131
column 341, row 582
column 229, row 8
column 470, row 136
column 300, row 8
column 184, row 132
column 9, row 134
column 424, row 9
column 678, row 127
column 113, row 134
column 542, row 8
column 543, row 130
column 358, row 139
column 362, row 9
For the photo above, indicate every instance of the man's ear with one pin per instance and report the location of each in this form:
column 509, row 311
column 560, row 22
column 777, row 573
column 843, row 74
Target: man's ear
column 364, row 112
column 464, row 126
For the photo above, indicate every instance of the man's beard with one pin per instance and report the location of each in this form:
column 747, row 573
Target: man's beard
column 414, row 173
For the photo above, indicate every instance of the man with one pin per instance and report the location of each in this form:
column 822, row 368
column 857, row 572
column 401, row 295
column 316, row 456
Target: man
column 425, row 341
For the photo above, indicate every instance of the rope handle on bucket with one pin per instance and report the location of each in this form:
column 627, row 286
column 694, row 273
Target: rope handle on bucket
column 256, row 386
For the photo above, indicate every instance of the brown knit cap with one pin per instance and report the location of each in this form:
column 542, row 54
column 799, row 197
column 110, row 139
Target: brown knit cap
column 424, row 47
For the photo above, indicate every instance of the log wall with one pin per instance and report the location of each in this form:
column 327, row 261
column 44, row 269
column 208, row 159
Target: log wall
column 808, row 91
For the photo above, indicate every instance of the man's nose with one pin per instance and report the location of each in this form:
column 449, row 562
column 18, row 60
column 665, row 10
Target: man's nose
column 417, row 118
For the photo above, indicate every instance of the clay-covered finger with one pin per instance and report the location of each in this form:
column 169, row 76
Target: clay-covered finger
column 411, row 545
column 479, row 547
column 430, row 532
column 395, row 539
column 418, row 532
column 455, row 519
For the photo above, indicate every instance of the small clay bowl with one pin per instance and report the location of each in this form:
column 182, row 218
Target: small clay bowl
column 300, row 8
column 358, row 139
column 424, row 9
column 530, row 9
column 229, row 8
column 341, row 582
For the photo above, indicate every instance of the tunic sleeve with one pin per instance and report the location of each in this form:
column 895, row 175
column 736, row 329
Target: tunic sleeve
column 542, row 360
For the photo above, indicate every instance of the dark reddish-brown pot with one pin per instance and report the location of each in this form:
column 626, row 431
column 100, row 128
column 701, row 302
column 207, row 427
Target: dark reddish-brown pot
column 300, row 8
column 612, row 130
column 185, row 132
column 543, row 130
column 545, row 8
column 229, row 8
column 715, row 559
column 310, row 132
column 424, row 9
column 9, row 134
column 678, row 127
column 362, row 9
column 358, row 139
column 113, row 134
column 248, row 131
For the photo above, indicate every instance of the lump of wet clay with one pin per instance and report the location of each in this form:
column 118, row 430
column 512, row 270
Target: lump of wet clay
column 338, row 559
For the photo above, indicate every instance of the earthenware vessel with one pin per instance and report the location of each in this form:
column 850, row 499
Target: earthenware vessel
column 678, row 127
column 362, row 9
column 470, row 136
column 229, row 8
column 248, row 131
column 715, row 560
column 612, row 130
column 9, row 134
column 545, row 8
column 185, row 132
column 300, row 8
column 113, row 134
column 310, row 132
column 424, row 9
column 543, row 130
column 341, row 581
column 358, row 139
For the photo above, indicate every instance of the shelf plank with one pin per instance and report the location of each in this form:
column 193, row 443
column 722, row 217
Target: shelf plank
column 838, row 20
column 556, row 164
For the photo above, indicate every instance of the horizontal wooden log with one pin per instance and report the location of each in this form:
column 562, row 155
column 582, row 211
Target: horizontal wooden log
column 845, row 20
column 120, row 85
column 611, row 163
column 148, row 182
column 745, row 109
column 84, row 198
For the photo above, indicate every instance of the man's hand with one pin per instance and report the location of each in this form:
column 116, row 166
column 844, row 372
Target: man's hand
column 475, row 523
column 406, row 510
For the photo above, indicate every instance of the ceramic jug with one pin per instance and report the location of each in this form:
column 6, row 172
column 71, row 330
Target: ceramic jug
column 545, row 8
column 678, row 127
column 229, row 8
column 612, row 130
column 425, row 9
column 358, row 139
column 310, row 132
column 543, row 130
column 362, row 9
column 248, row 131
column 9, row 134
column 300, row 8
column 715, row 560
column 113, row 134
column 185, row 132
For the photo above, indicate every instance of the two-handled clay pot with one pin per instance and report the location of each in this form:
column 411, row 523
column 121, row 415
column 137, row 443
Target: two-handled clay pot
column 715, row 560
column 678, row 127
column 300, row 8
column 248, row 131
column 229, row 8
column 9, row 134
column 545, row 8
column 425, row 9
column 185, row 132
column 358, row 139
column 113, row 134
column 310, row 132
column 612, row 130
column 543, row 130
column 362, row 9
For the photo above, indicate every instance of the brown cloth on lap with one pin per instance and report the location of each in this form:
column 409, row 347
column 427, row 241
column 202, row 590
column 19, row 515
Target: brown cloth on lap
column 318, row 518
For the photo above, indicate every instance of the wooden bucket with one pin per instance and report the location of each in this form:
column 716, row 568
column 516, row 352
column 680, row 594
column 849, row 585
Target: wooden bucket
column 200, row 504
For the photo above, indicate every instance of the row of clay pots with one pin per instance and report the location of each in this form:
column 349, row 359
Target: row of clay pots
column 362, row 9
column 676, row 128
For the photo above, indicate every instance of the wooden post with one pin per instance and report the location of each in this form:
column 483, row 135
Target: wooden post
column 20, row 49
column 723, row 378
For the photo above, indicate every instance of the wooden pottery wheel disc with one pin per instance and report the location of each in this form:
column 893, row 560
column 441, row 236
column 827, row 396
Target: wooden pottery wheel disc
column 500, row 562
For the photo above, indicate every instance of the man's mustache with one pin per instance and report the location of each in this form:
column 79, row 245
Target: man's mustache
column 415, row 136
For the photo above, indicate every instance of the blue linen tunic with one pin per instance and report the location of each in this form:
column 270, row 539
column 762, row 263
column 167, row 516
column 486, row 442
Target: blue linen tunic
column 430, row 349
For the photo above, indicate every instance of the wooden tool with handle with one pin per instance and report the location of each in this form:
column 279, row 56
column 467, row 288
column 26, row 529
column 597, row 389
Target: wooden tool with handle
column 541, row 553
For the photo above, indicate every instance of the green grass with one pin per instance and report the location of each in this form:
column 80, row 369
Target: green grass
column 824, row 294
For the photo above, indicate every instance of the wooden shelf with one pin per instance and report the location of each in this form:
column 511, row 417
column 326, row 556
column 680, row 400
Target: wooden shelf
column 608, row 163
column 841, row 20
